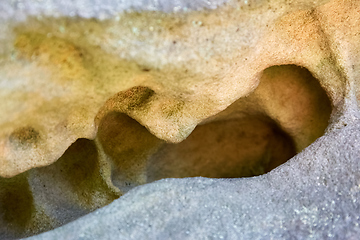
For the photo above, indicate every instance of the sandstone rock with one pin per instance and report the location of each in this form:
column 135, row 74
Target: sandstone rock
column 95, row 105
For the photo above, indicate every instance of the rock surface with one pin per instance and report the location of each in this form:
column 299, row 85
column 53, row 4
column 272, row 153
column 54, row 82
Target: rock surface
column 313, row 196
column 95, row 105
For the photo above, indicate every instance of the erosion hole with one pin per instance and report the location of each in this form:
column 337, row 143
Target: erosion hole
column 224, row 149
column 286, row 113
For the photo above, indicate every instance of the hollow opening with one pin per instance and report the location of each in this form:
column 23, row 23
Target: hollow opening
column 286, row 113
column 243, row 147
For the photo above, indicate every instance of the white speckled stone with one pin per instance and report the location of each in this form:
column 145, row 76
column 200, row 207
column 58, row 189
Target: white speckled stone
column 100, row 9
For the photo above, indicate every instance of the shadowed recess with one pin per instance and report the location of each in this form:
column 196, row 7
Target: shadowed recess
column 16, row 206
column 232, row 148
column 128, row 145
column 48, row 197
column 77, row 177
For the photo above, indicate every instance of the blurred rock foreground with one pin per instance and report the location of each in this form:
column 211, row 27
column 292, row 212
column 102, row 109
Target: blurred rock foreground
column 245, row 111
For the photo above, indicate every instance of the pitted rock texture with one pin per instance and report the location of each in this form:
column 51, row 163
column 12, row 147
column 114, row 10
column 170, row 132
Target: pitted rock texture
column 92, row 108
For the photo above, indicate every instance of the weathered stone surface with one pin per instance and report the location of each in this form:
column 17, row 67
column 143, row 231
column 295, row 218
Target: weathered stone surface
column 91, row 108
column 82, row 63
column 313, row 196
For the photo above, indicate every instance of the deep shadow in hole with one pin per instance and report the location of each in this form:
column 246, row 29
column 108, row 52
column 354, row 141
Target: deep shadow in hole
column 128, row 145
column 16, row 206
column 79, row 168
column 224, row 149
column 76, row 175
